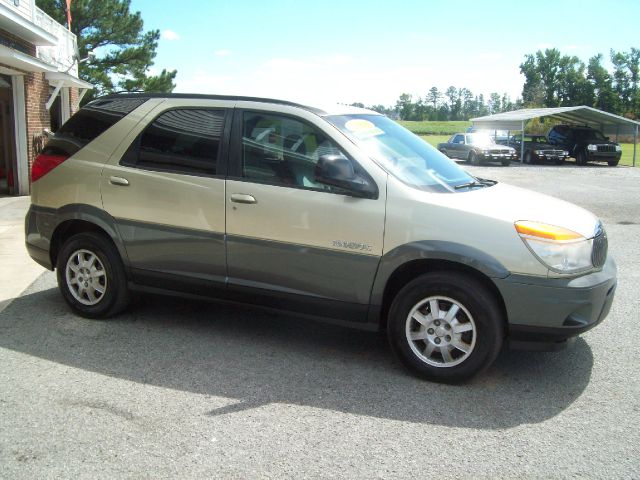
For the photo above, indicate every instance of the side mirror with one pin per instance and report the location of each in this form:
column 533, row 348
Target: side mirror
column 337, row 171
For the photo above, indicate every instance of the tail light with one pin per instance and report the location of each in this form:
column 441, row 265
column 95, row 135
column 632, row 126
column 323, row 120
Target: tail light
column 44, row 163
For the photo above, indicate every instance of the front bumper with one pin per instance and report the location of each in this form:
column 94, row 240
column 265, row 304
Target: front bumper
column 544, row 313
column 497, row 157
column 603, row 156
column 549, row 157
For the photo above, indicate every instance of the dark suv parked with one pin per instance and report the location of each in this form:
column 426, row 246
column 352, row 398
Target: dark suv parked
column 585, row 144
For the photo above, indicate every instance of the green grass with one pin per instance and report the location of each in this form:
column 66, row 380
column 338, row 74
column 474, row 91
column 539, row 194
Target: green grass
column 627, row 154
column 627, row 148
column 435, row 128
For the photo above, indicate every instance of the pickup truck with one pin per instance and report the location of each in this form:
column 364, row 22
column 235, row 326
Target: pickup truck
column 476, row 148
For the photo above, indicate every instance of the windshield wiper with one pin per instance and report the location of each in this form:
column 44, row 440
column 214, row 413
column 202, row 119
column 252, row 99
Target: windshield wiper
column 470, row 185
column 486, row 181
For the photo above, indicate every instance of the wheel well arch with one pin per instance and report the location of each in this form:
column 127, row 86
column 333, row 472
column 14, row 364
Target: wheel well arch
column 414, row 268
column 67, row 229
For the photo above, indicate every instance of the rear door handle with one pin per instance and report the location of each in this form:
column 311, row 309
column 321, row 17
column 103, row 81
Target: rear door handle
column 243, row 198
column 123, row 182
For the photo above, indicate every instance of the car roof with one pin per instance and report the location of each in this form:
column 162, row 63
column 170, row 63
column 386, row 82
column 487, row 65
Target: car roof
column 319, row 108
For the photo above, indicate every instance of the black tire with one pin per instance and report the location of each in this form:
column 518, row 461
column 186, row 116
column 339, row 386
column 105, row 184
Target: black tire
column 613, row 163
column 560, row 161
column 115, row 297
column 527, row 158
column 478, row 301
column 581, row 158
column 506, row 163
column 473, row 158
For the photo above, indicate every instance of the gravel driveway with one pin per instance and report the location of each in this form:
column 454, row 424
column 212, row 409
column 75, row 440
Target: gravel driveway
column 185, row 389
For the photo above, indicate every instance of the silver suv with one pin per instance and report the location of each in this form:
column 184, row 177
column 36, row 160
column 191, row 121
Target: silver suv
column 333, row 213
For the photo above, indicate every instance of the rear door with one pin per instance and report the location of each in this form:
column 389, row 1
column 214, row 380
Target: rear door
column 165, row 188
column 291, row 241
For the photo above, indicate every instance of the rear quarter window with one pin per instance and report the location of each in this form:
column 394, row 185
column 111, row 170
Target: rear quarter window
column 90, row 122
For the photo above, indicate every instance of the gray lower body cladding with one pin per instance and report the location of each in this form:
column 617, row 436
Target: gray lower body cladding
column 553, row 310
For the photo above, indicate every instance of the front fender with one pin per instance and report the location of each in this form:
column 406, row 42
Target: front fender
column 433, row 250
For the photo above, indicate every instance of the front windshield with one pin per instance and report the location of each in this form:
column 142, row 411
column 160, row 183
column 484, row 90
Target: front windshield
column 479, row 139
column 401, row 153
column 588, row 133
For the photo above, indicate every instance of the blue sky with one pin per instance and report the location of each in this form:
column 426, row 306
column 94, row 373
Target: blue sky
column 371, row 52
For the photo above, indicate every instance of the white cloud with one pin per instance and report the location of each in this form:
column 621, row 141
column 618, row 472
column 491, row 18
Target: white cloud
column 169, row 35
column 222, row 53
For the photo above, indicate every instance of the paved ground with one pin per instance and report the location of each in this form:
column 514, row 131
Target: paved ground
column 18, row 270
column 183, row 389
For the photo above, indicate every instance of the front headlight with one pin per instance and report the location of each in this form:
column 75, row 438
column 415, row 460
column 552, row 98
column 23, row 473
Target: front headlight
column 565, row 153
column 485, row 152
column 560, row 249
column 592, row 148
column 539, row 152
column 618, row 148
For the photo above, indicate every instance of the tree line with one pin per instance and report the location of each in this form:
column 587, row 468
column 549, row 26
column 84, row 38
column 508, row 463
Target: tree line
column 551, row 80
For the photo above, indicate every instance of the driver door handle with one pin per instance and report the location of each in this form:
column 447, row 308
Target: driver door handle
column 242, row 198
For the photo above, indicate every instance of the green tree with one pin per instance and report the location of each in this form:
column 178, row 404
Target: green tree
column 495, row 103
column 124, row 53
column 601, row 85
column 405, row 106
column 433, row 97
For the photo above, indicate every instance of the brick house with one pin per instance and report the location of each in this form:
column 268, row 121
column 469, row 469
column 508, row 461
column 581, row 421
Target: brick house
column 39, row 87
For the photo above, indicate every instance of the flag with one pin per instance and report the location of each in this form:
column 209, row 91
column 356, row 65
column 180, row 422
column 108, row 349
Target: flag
column 68, row 14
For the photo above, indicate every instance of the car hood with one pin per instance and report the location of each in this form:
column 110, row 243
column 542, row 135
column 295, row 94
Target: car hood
column 510, row 204
column 597, row 141
column 540, row 145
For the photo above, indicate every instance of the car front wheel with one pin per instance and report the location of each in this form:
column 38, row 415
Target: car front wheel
column 445, row 326
column 91, row 276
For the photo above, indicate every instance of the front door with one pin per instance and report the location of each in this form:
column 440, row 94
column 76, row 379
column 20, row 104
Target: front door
column 167, row 195
column 291, row 241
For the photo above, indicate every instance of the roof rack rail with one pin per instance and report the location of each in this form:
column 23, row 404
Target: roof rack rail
column 202, row 96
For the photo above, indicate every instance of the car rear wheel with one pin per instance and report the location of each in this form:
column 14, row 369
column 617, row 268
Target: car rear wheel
column 91, row 276
column 445, row 326
column 473, row 159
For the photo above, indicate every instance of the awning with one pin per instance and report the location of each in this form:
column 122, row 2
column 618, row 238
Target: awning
column 22, row 61
column 67, row 80
column 583, row 115
column 60, row 80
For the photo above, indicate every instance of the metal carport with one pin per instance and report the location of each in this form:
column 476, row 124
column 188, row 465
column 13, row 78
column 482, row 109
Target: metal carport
column 517, row 120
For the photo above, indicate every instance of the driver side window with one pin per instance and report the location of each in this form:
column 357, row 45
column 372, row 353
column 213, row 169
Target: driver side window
column 282, row 150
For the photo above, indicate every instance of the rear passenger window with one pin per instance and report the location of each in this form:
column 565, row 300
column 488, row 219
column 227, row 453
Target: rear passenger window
column 91, row 121
column 282, row 150
column 180, row 140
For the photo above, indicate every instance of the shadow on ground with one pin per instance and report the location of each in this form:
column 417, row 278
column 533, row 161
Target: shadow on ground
column 257, row 358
